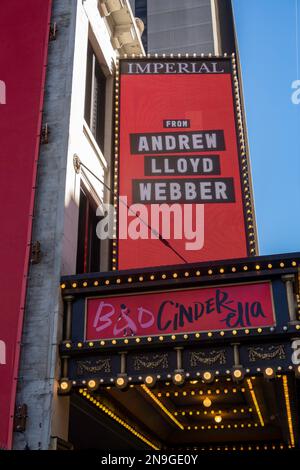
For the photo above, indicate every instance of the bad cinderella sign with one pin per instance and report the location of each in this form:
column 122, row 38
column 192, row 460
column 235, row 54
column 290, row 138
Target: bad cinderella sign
column 181, row 311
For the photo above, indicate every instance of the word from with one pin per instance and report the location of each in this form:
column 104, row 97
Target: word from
column 176, row 123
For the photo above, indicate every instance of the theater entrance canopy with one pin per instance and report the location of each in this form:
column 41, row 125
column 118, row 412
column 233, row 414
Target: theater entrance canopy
column 184, row 357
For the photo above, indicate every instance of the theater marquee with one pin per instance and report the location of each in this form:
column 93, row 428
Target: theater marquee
column 208, row 317
column 180, row 311
column 181, row 166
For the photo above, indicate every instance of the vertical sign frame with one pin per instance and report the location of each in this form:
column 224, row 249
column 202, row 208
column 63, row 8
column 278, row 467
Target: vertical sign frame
column 245, row 187
column 24, row 36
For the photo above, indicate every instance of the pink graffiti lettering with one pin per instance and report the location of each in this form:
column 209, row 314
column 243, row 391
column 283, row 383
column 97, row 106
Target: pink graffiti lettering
column 142, row 317
column 129, row 324
column 103, row 320
column 120, row 320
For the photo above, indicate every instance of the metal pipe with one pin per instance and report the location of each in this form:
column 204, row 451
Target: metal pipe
column 179, row 358
column 236, row 354
column 288, row 279
column 123, row 362
column 69, row 299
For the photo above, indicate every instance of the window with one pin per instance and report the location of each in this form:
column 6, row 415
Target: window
column 141, row 12
column 94, row 110
column 88, row 245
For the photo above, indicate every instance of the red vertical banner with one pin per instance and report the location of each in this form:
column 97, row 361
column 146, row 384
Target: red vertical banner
column 180, row 165
column 24, row 33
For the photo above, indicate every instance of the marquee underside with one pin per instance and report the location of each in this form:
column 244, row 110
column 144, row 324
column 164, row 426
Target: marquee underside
column 257, row 414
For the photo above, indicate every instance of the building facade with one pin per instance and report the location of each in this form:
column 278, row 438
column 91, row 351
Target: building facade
column 87, row 37
column 192, row 26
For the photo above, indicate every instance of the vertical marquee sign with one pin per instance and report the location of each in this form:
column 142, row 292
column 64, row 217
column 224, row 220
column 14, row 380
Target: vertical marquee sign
column 181, row 168
column 24, row 33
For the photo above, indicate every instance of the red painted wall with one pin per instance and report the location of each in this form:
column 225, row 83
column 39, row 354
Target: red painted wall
column 24, row 32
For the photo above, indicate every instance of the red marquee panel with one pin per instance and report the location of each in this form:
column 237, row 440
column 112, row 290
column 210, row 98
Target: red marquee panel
column 181, row 311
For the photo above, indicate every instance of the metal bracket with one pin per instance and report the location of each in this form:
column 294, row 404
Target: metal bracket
column 52, row 31
column 35, row 252
column 76, row 163
column 20, row 418
column 45, row 131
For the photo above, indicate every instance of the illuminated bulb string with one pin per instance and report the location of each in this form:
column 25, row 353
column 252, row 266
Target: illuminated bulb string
column 253, row 396
column 155, row 232
column 119, row 420
column 161, row 406
column 288, row 409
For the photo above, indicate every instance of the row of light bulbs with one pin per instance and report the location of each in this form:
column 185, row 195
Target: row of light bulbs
column 118, row 419
column 207, row 403
column 171, row 55
column 218, row 419
column 241, row 136
column 174, row 275
column 216, row 391
column 178, row 378
column 239, row 447
column 209, row 334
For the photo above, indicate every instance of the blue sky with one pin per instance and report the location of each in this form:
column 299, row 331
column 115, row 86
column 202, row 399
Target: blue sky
column 267, row 42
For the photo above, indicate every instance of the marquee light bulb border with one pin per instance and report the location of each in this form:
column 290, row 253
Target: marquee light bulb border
column 130, row 428
column 246, row 181
column 173, row 275
column 140, row 341
column 64, row 389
